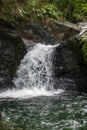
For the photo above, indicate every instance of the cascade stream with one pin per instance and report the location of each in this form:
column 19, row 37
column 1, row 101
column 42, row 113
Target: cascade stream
column 34, row 75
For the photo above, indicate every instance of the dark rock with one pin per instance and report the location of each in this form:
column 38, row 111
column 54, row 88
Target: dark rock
column 51, row 33
column 38, row 34
column 11, row 52
column 68, row 70
column 63, row 30
column 6, row 25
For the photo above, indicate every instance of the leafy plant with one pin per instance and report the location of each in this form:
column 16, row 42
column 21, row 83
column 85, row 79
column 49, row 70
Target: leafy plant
column 44, row 10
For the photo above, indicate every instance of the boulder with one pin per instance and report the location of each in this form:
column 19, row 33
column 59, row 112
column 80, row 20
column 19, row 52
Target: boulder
column 70, row 73
column 63, row 30
column 11, row 52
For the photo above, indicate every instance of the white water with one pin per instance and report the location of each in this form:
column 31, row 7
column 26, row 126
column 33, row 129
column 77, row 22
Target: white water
column 34, row 74
column 28, row 93
column 35, row 70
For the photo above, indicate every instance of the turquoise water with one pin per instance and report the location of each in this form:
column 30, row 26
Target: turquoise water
column 66, row 111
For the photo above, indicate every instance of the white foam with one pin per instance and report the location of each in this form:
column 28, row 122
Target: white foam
column 28, row 93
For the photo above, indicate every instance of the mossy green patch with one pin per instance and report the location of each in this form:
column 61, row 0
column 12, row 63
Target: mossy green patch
column 79, row 49
column 84, row 51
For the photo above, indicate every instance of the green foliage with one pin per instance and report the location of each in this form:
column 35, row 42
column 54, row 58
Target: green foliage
column 38, row 10
column 34, row 10
column 73, row 10
column 10, row 10
column 80, row 10
column 47, row 12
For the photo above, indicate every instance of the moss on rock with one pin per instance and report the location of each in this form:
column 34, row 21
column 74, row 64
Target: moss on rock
column 75, row 47
column 79, row 49
column 84, row 51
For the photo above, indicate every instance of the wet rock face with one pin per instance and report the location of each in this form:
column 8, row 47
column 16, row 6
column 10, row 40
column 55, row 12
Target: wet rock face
column 63, row 30
column 11, row 52
column 68, row 73
column 53, row 32
column 63, row 61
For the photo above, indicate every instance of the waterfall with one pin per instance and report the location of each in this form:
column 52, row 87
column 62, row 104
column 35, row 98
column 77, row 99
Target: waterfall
column 34, row 76
column 35, row 70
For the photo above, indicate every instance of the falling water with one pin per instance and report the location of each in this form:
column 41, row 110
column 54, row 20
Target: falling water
column 35, row 70
column 34, row 76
